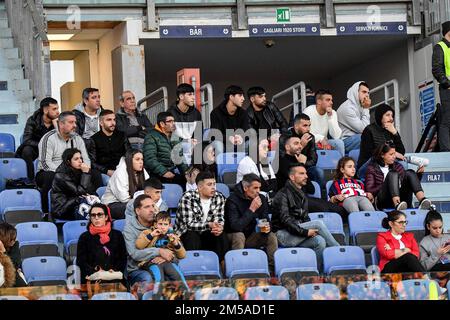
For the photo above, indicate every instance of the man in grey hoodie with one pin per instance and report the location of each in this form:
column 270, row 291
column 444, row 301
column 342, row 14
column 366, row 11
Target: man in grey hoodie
column 142, row 219
column 353, row 115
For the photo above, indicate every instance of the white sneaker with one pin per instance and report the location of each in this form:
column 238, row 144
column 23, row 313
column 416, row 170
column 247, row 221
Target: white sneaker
column 425, row 204
column 401, row 206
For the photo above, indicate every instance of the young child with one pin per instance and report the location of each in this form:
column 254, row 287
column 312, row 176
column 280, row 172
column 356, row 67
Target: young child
column 161, row 236
column 347, row 191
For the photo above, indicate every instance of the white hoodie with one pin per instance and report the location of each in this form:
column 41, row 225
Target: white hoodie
column 117, row 189
column 351, row 116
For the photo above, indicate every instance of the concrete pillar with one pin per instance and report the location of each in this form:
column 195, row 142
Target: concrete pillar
column 128, row 70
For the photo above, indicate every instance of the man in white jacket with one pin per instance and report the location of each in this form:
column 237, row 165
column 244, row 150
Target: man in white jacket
column 324, row 121
column 353, row 115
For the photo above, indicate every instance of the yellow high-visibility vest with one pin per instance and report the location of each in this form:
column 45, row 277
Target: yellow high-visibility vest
column 446, row 51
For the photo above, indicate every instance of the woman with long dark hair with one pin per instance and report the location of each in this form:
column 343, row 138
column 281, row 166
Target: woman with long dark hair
column 9, row 246
column 435, row 246
column 398, row 249
column 101, row 251
column 392, row 185
column 72, row 182
column 128, row 178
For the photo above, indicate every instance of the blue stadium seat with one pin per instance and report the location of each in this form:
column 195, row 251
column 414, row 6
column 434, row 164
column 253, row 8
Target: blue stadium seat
column 334, row 223
column 72, row 230
column 217, row 293
column 271, row 156
column 318, row 291
column 113, row 296
column 223, row 188
column 105, row 179
column 344, row 260
column 375, row 256
column 414, row 289
column 200, row 264
column 13, row 168
column 327, row 187
column 119, row 224
column 228, row 162
column 101, row 191
column 295, row 260
column 266, row 293
column 148, row 295
column 172, row 194
column 37, row 239
column 317, row 193
column 367, row 290
column 416, row 219
column 354, row 154
column 20, row 199
column 61, row 297
column 246, row 263
column 7, row 142
column 364, row 226
column 328, row 159
column 40, row 271
column 13, row 298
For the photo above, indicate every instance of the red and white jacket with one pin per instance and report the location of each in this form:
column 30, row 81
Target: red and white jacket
column 384, row 238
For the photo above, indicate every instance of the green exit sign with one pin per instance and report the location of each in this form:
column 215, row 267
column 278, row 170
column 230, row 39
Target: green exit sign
column 283, row 14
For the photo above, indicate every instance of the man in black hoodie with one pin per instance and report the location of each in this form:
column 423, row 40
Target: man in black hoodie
column 243, row 208
column 441, row 72
column 230, row 115
column 41, row 122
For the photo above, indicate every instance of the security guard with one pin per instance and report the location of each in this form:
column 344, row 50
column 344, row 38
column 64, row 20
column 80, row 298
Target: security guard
column 441, row 72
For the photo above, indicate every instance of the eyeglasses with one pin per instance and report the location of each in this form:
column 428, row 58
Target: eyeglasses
column 96, row 215
column 404, row 223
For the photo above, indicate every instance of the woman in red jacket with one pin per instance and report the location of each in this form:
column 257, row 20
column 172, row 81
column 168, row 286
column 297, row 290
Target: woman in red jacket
column 392, row 185
column 398, row 249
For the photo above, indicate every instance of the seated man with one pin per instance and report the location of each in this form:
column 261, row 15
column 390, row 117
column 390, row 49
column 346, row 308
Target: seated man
column 200, row 217
column 142, row 219
column 41, row 122
column 51, row 148
column 324, row 121
column 353, row 115
column 307, row 145
column 108, row 145
column 290, row 218
column 159, row 160
column 243, row 209
column 88, row 113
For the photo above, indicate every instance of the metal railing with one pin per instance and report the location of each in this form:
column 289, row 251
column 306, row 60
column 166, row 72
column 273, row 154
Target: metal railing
column 206, row 103
column 28, row 27
column 388, row 98
column 298, row 92
column 160, row 105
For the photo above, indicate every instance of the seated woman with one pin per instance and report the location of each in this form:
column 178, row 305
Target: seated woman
column 435, row 246
column 128, row 178
column 390, row 184
column 9, row 246
column 72, row 184
column 347, row 191
column 260, row 165
column 398, row 249
column 101, row 248
column 376, row 134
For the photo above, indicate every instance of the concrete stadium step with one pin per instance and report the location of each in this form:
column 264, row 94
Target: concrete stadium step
column 437, row 190
column 10, row 74
column 3, row 23
column 10, row 53
column 19, row 85
column 5, row 32
column 3, row 14
column 7, row 43
column 13, row 95
column 10, row 63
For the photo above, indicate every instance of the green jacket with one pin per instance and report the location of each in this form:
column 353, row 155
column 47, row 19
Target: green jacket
column 157, row 153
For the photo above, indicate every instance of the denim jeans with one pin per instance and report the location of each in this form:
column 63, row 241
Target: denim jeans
column 338, row 145
column 139, row 276
column 352, row 143
column 316, row 174
column 318, row 243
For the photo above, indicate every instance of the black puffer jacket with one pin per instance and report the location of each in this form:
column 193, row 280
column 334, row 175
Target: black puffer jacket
column 67, row 187
column 123, row 124
column 374, row 135
column 238, row 217
column 289, row 209
column 271, row 114
column 438, row 66
column 34, row 131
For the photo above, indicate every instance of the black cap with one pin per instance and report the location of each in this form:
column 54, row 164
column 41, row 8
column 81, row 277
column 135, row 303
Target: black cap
column 445, row 28
column 153, row 183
